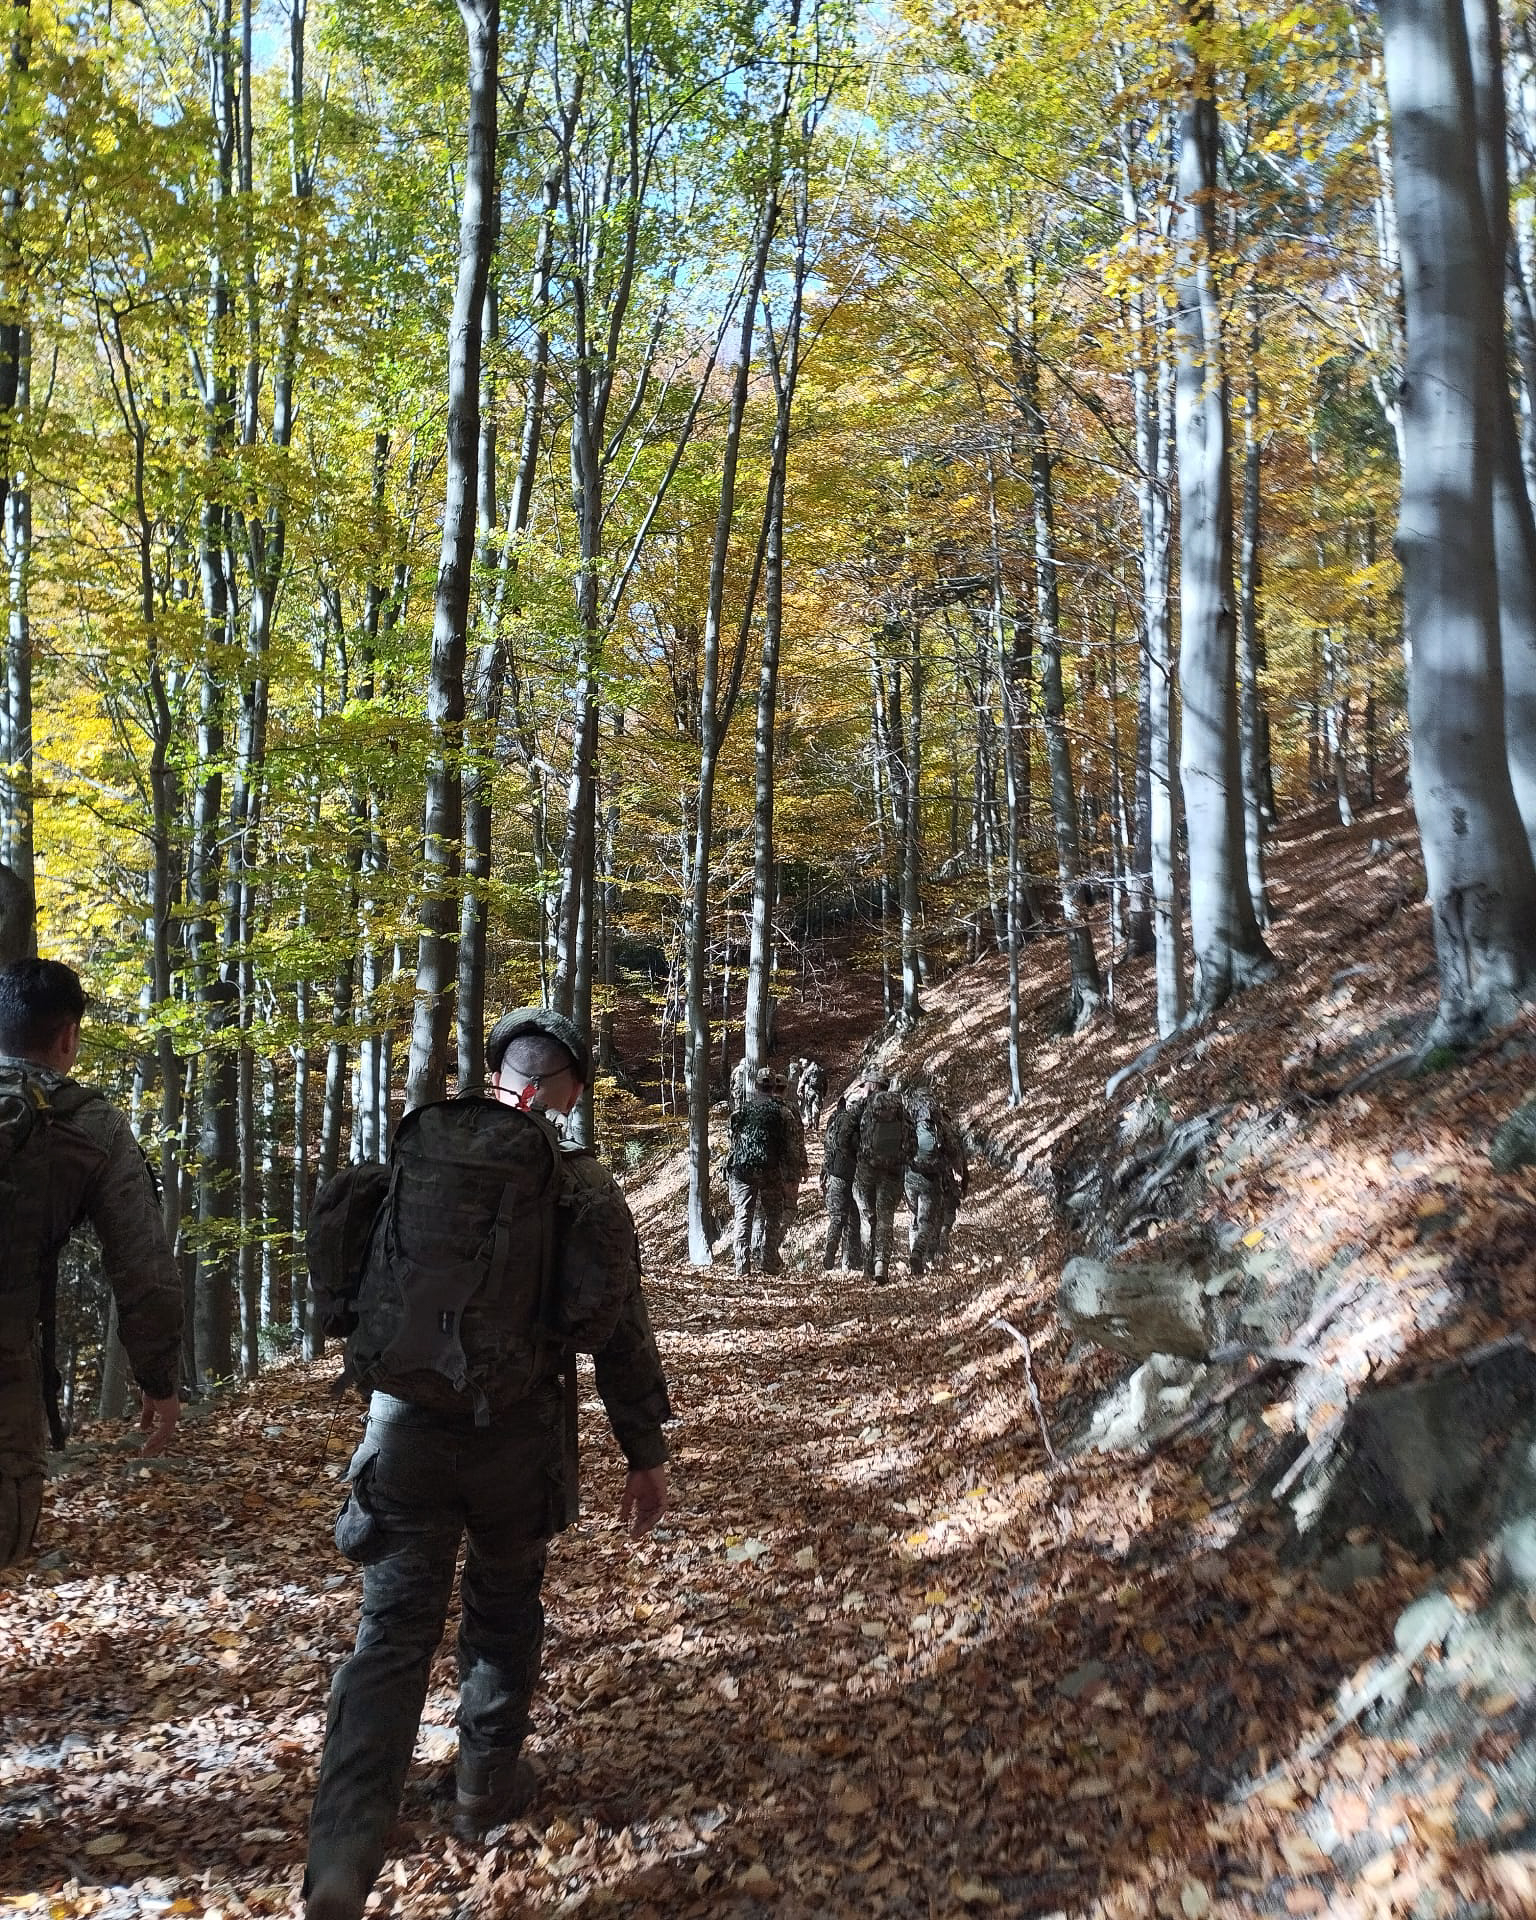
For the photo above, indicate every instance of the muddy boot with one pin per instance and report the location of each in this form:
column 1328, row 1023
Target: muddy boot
column 491, row 1792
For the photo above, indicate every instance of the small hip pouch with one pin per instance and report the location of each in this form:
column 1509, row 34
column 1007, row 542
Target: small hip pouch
column 359, row 1536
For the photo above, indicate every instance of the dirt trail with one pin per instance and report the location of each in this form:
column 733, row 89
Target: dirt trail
column 880, row 1660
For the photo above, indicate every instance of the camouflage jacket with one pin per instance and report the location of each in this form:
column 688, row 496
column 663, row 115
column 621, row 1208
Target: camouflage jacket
column 98, row 1173
column 628, row 1367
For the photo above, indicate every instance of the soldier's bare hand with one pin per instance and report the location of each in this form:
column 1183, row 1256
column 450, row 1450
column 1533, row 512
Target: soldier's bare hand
column 644, row 1500
column 158, row 1420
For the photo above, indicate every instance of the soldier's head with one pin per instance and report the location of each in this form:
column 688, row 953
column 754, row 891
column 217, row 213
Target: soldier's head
column 41, row 1006
column 770, row 1081
column 537, row 1058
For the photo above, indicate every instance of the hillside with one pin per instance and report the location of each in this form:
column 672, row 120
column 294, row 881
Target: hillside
column 886, row 1656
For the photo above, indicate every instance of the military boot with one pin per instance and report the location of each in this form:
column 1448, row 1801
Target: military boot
column 337, row 1881
column 491, row 1791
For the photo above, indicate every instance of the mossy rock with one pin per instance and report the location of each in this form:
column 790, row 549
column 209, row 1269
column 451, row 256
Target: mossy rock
column 1514, row 1145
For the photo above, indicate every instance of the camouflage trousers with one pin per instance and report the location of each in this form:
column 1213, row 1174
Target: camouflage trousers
column 844, row 1241
column 878, row 1195
column 933, row 1213
column 760, row 1212
column 23, row 1431
column 422, row 1482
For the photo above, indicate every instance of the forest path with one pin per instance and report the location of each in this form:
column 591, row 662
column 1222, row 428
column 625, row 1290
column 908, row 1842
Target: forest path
column 877, row 1661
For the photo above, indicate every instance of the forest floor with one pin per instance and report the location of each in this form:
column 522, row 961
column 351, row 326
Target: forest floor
column 884, row 1657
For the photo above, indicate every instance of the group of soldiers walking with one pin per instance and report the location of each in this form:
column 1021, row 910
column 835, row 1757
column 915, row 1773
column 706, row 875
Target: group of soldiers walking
column 880, row 1146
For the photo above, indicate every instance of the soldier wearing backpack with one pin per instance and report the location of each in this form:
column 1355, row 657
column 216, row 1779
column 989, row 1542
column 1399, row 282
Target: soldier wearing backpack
column 813, row 1092
column 936, row 1179
column 886, row 1146
column 465, row 1287
column 67, row 1155
column 839, row 1161
column 764, row 1168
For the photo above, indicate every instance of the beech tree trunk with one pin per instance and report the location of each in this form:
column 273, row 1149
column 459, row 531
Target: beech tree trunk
column 1482, row 884
column 1087, row 988
column 442, row 819
column 1229, row 950
column 1250, row 649
column 1514, row 526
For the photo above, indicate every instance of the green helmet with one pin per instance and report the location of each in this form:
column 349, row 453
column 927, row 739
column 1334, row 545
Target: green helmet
column 556, row 1026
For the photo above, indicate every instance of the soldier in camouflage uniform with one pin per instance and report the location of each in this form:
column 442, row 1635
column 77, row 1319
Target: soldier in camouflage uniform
column 839, row 1161
column 422, row 1479
column 68, row 1155
column 764, row 1168
column 886, row 1146
column 936, row 1178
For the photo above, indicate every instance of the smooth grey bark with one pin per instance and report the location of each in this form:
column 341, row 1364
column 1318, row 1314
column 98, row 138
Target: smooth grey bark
column 217, row 1198
column 1249, row 646
column 1087, row 987
column 602, row 232
column 784, row 363
column 1013, row 724
column 442, row 813
column 1152, row 388
column 1229, row 950
column 720, row 685
column 1514, row 525
column 1481, row 880
column 911, row 828
column 493, row 664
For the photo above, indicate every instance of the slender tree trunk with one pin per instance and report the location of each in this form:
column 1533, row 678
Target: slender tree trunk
column 442, row 819
column 716, row 704
column 1482, row 884
column 1250, row 693
column 1514, row 526
column 1087, row 990
column 13, row 194
column 16, row 773
column 1229, row 949
column 217, row 1195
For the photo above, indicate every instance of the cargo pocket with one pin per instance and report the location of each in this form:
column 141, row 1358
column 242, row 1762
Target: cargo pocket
column 359, row 1536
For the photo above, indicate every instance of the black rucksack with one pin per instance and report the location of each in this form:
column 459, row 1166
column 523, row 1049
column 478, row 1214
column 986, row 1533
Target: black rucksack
column 759, row 1140
column 885, row 1134
column 472, row 1263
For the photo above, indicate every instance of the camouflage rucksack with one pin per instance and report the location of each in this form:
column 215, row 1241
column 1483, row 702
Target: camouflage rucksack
column 885, row 1134
column 841, row 1147
column 759, row 1140
column 929, row 1158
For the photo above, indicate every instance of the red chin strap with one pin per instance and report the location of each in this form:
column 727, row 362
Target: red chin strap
column 529, row 1094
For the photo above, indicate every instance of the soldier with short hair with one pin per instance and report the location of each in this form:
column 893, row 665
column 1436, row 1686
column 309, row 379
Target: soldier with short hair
column 489, row 1456
column 68, row 1155
column 764, row 1168
column 839, row 1163
column 886, row 1146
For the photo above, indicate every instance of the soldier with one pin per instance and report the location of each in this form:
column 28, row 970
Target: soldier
column 839, row 1161
column 497, row 1464
column 764, row 1168
column 886, row 1146
column 813, row 1091
column 67, row 1155
column 742, row 1079
column 936, row 1179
